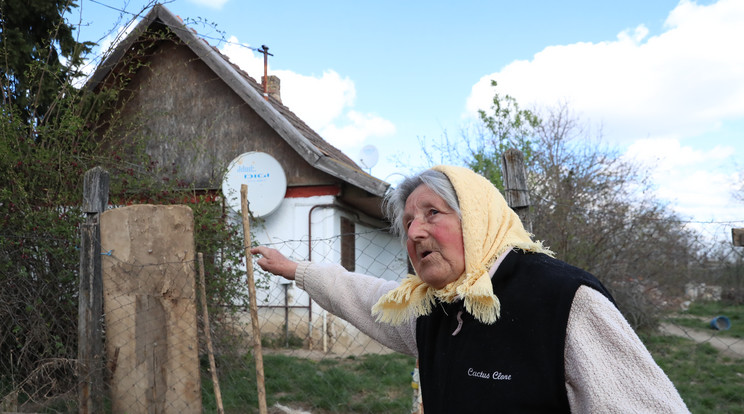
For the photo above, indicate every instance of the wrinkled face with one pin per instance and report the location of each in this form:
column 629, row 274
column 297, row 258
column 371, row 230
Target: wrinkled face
column 434, row 238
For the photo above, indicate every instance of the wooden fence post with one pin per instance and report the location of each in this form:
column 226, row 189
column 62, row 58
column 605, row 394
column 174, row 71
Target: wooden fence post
column 737, row 236
column 257, row 350
column 515, row 185
column 90, row 305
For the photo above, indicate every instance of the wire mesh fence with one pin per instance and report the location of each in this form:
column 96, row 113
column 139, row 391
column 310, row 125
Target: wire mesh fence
column 38, row 309
column 164, row 328
column 289, row 317
column 151, row 322
column 151, row 337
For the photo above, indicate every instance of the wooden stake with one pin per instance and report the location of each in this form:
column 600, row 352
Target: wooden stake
column 208, row 336
column 516, row 194
column 90, row 296
column 257, row 353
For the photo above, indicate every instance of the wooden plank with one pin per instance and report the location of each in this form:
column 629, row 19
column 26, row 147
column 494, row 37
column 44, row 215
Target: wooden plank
column 95, row 190
column 515, row 178
column 150, row 309
column 89, row 315
column 90, row 298
column 151, row 349
column 516, row 192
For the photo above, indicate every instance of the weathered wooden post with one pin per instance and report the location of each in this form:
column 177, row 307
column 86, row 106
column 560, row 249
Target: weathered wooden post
column 208, row 336
column 149, row 300
column 90, row 305
column 737, row 236
column 257, row 351
column 515, row 185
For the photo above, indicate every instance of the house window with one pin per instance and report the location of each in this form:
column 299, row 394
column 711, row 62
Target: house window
column 348, row 244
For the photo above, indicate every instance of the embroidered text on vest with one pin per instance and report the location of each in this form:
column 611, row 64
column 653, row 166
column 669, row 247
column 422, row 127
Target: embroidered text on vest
column 486, row 375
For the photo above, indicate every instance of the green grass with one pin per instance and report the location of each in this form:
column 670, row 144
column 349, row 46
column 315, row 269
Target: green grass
column 366, row 384
column 699, row 315
column 708, row 381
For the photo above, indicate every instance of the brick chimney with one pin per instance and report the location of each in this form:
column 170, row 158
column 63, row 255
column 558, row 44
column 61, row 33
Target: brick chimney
column 274, row 87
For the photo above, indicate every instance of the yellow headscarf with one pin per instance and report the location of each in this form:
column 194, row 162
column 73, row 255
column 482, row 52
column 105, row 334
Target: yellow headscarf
column 489, row 228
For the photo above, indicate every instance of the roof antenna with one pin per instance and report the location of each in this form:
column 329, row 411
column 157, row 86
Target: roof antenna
column 265, row 50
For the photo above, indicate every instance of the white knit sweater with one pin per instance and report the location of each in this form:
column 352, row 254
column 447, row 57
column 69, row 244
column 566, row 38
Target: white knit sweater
column 608, row 369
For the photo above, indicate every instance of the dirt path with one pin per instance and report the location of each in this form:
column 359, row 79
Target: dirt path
column 730, row 346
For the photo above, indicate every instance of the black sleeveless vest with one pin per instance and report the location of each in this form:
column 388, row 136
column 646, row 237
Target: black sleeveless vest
column 516, row 364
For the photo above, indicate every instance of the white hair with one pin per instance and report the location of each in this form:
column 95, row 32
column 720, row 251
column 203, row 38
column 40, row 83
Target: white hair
column 394, row 203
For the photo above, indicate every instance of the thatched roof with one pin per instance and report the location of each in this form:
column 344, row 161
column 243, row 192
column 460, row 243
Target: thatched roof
column 306, row 142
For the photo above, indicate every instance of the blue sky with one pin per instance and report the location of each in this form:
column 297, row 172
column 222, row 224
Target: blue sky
column 663, row 79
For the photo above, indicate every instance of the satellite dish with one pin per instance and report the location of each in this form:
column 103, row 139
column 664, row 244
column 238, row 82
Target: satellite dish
column 368, row 156
column 266, row 182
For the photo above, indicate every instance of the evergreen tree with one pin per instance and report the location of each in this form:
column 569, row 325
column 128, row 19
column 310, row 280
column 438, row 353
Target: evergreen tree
column 38, row 54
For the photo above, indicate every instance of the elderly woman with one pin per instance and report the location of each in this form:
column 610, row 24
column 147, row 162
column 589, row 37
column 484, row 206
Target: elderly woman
column 497, row 323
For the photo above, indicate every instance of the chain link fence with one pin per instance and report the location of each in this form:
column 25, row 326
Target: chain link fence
column 290, row 320
column 39, row 369
column 38, row 336
column 151, row 320
column 151, row 336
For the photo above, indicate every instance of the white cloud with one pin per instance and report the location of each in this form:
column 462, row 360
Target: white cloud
column 683, row 81
column 242, row 55
column 651, row 93
column 698, row 183
column 324, row 102
column 214, row 4
column 357, row 130
column 669, row 153
column 319, row 101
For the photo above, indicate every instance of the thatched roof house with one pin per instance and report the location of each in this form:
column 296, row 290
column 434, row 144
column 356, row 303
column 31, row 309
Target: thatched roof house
column 199, row 111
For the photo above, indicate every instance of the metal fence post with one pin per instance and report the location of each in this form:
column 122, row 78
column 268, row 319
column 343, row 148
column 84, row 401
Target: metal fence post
column 90, row 306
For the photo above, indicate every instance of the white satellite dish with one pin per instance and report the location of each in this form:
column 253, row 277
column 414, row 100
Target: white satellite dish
column 368, row 156
column 267, row 183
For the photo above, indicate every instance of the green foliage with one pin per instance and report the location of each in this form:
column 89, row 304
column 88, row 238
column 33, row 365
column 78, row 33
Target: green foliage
column 50, row 134
column 480, row 147
column 39, row 261
column 39, row 53
column 508, row 126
